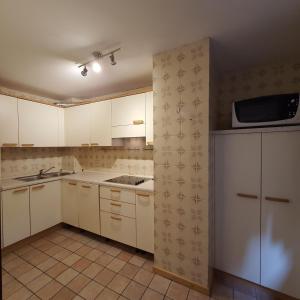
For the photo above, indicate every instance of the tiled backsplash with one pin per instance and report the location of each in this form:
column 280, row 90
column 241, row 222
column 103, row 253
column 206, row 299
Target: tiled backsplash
column 26, row 161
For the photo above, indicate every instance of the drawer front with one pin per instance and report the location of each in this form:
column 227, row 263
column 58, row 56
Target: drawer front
column 117, row 207
column 113, row 193
column 119, row 228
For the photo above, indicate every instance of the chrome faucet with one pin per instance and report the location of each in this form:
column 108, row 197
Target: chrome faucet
column 43, row 171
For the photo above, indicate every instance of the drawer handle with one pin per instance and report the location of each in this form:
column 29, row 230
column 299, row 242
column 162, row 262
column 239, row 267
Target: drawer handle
column 85, row 145
column 72, row 183
column 142, row 195
column 115, row 191
column 94, row 144
column 275, row 199
column 38, row 187
column 115, row 204
column 9, row 145
column 27, row 145
column 20, row 190
column 247, row 196
column 115, row 218
column 86, row 186
column 138, row 122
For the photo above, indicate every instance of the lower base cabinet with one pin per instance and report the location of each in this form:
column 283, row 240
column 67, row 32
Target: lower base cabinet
column 45, row 206
column 69, row 203
column 15, row 215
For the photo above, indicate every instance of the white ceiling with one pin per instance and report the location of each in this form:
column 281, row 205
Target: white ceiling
column 41, row 41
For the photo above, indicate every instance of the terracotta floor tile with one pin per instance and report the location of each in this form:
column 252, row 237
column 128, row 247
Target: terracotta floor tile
column 31, row 254
column 143, row 277
column 49, row 290
column 81, row 264
column 24, row 249
column 93, row 243
column 57, row 238
column 56, row 269
column 66, row 242
column 126, row 256
column 53, row 250
column 78, row 283
column 104, row 259
column 38, row 282
column 82, row 251
column 65, row 277
column 13, row 263
column 94, row 254
column 64, row 294
column 10, row 288
column 30, row 275
column 103, row 247
column 6, row 278
column 116, row 265
column 119, row 283
column 148, row 265
column 38, row 259
column 21, row 269
column 114, row 251
column 194, row 295
column 8, row 257
column 74, row 246
column 177, row 291
column 92, row 270
column 33, row 297
column 91, row 291
column 22, row 293
column 134, row 291
column 152, row 295
column 137, row 261
column 107, row 294
column 72, row 259
column 61, row 255
column 160, row 284
column 105, row 277
column 129, row 270
column 47, row 264
column 43, row 244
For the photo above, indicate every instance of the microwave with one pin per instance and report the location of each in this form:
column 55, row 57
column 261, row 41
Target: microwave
column 274, row 110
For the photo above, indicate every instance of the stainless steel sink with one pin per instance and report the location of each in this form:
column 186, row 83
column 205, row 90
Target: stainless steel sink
column 43, row 176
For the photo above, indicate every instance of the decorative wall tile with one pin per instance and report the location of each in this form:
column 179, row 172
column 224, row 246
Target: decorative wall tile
column 181, row 157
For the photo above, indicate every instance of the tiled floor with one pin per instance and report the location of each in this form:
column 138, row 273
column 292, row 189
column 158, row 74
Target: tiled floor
column 68, row 264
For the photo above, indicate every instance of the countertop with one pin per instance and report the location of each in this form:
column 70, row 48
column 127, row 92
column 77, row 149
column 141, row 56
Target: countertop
column 95, row 177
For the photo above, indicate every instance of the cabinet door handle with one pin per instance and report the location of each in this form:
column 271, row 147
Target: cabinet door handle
column 20, row 190
column 27, row 145
column 115, row 218
column 85, row 145
column 142, row 195
column 115, row 204
column 138, row 122
column 86, row 186
column 115, row 191
column 38, row 187
column 94, row 144
column 72, row 183
column 247, row 196
column 9, row 145
column 275, row 199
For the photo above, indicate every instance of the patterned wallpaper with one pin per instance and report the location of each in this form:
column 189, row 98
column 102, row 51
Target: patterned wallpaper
column 258, row 81
column 181, row 158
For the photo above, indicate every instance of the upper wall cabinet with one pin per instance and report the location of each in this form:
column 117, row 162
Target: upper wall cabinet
column 8, row 121
column 38, row 124
column 128, row 116
column 149, row 118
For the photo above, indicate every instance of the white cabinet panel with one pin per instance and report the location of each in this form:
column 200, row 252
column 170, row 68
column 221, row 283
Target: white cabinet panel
column 38, row 124
column 45, row 205
column 70, row 210
column 145, row 221
column 100, row 126
column 117, row 194
column 117, row 207
column 149, row 118
column 61, row 127
column 15, row 215
column 77, row 125
column 8, row 121
column 89, row 211
column 280, row 248
column 128, row 131
column 237, row 218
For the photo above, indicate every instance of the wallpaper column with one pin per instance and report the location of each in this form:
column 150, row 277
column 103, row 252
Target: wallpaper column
column 181, row 161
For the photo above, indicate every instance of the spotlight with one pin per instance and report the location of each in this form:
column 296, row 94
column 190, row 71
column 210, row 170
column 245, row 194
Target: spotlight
column 112, row 59
column 96, row 67
column 84, row 71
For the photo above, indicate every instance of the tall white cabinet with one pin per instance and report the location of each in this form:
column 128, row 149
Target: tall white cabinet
column 257, row 207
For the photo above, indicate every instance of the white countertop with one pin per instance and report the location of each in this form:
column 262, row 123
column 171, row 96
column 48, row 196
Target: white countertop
column 95, row 177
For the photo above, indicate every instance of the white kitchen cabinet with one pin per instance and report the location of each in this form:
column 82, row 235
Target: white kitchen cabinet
column 89, row 211
column 280, row 228
column 77, row 125
column 61, row 127
column 117, row 207
column 129, row 116
column 117, row 194
column 69, row 203
column 8, row 121
column 237, row 204
column 145, row 221
column 45, row 205
column 38, row 124
column 149, row 118
column 15, row 215
column 100, row 123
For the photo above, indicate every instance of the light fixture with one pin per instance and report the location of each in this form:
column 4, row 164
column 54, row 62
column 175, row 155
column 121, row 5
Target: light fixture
column 96, row 66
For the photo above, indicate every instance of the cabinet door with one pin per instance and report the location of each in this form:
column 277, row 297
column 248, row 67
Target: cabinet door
column 100, row 123
column 15, row 215
column 77, row 125
column 280, row 252
column 38, row 124
column 61, row 127
column 89, row 211
column 45, row 205
column 237, row 204
column 70, row 211
column 8, row 121
column 145, row 221
column 149, row 118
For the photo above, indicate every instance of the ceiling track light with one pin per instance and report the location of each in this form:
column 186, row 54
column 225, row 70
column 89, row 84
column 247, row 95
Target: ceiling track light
column 96, row 66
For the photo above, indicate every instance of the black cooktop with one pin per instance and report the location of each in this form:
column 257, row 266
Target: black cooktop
column 131, row 180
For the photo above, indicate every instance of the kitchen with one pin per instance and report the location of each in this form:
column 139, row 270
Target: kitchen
column 136, row 168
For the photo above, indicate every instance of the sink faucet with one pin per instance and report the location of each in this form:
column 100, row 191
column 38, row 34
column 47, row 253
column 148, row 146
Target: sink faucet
column 43, row 171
